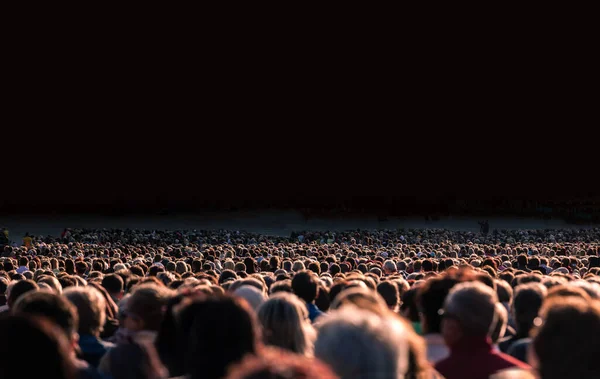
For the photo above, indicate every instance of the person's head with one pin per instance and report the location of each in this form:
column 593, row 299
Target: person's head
column 357, row 343
column 91, row 309
column 18, row 289
column 54, row 307
column 114, row 285
column 284, row 321
column 279, row 364
column 389, row 293
column 232, row 328
column 565, row 343
column 305, row 285
column 469, row 311
column 361, row 297
column 430, row 299
column 527, row 302
column 281, row 286
column 389, row 267
column 51, row 282
column 34, row 348
column 145, row 307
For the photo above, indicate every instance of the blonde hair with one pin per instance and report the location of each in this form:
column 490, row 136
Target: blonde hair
column 284, row 319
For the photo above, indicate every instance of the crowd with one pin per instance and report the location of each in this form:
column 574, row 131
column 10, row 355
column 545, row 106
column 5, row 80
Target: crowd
column 428, row 303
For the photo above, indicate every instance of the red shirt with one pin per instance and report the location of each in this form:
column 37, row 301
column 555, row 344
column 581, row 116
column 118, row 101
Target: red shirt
column 474, row 358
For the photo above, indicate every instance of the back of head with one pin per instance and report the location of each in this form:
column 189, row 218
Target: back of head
column 113, row 283
column 305, row 285
column 24, row 338
column 430, row 299
column 473, row 306
column 215, row 321
column 565, row 344
column 389, row 292
column 527, row 302
column 20, row 288
column 283, row 318
column 358, row 344
column 91, row 308
column 52, row 306
column 146, row 304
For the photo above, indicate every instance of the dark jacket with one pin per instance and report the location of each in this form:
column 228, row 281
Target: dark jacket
column 93, row 348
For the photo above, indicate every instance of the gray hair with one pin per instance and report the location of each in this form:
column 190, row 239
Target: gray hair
column 390, row 266
column 473, row 304
column 358, row 344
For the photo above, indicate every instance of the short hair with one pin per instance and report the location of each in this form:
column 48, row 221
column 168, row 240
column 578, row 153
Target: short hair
column 389, row 293
column 146, row 303
column 18, row 289
column 504, row 291
column 281, row 286
column 526, row 304
column 230, row 320
column 91, row 308
column 358, row 344
column 53, row 306
column 430, row 299
column 390, row 266
column 473, row 305
column 565, row 342
column 305, row 285
column 113, row 283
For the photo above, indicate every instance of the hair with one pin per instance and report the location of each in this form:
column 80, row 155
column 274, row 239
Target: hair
column 113, row 283
column 565, row 342
column 281, row 286
column 361, row 298
column 147, row 304
column 358, row 344
column 91, row 308
column 473, row 305
column 18, row 289
column 283, row 318
column 52, row 306
column 232, row 328
column 430, row 299
column 305, row 285
column 504, row 291
column 26, row 337
column 526, row 304
column 389, row 293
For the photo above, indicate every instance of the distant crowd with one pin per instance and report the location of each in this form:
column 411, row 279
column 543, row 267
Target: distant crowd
column 427, row 303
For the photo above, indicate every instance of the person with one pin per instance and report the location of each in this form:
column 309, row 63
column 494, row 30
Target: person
column 92, row 315
column 430, row 299
column 63, row 314
column 233, row 328
column 27, row 241
column 306, row 286
column 18, row 289
column 359, row 344
column 33, row 348
column 564, row 342
column 114, row 285
column 285, row 324
column 527, row 301
column 468, row 321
